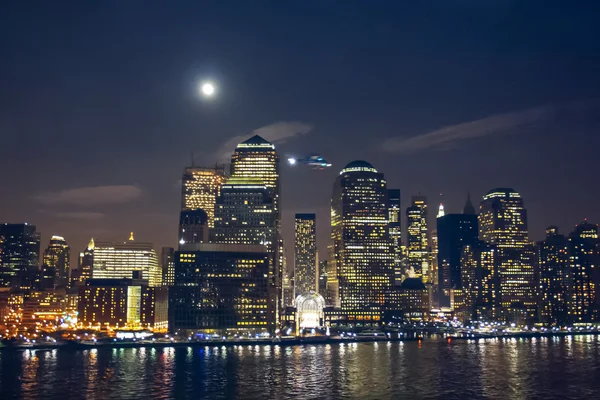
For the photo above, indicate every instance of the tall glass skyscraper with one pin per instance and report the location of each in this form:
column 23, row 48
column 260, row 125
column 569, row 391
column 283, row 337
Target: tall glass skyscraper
column 200, row 188
column 19, row 252
column 584, row 265
column 503, row 223
column 305, row 254
column 360, row 238
column 395, row 224
column 113, row 260
column 58, row 257
column 255, row 160
column 418, row 238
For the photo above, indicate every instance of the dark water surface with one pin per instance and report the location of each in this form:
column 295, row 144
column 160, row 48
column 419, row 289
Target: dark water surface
column 544, row 368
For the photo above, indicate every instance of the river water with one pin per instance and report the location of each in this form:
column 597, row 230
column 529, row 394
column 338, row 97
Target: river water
column 544, row 368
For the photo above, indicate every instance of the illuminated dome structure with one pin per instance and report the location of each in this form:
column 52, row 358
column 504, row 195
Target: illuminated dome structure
column 309, row 310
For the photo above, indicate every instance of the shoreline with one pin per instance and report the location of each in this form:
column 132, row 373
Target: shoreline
column 285, row 342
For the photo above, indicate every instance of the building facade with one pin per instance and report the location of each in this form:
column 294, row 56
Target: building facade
column 360, row 242
column 553, row 278
column 193, row 226
column 418, row 238
column 395, row 226
column 584, row 268
column 200, row 188
column 115, row 260
column 57, row 256
column 221, row 288
column 478, row 296
column 19, row 253
column 305, row 254
column 503, row 223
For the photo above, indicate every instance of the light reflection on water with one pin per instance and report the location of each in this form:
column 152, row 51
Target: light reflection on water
column 512, row 368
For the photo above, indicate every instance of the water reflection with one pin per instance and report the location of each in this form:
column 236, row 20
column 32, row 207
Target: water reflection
column 530, row 368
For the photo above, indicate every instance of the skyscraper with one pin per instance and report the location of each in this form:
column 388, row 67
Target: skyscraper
column 395, row 226
column 454, row 231
column 553, row 271
column 193, row 226
column 584, row 265
column 167, row 265
column 58, row 257
column 19, row 252
column 256, row 159
column 200, row 188
column 114, row 260
column 361, row 246
column 418, row 238
column 305, row 254
column 480, row 284
column 503, row 223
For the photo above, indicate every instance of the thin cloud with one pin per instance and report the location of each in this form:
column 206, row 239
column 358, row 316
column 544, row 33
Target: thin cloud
column 278, row 132
column 81, row 215
column 511, row 123
column 92, row 195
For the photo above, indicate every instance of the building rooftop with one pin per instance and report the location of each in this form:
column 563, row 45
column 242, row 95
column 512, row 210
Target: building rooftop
column 358, row 166
column 255, row 141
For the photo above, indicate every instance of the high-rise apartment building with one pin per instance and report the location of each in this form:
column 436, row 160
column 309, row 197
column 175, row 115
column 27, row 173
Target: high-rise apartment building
column 418, row 238
column 553, row 276
column 305, row 254
column 584, row 269
column 19, row 252
column 200, row 188
column 480, row 284
column 360, row 242
column 114, row 260
column 57, row 256
column 503, row 223
column 395, row 226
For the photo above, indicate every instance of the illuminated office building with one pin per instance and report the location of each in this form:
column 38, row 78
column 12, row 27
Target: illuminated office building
column 323, row 279
column 395, row 224
column 221, row 288
column 57, row 257
column 193, row 227
column 244, row 214
column 503, row 223
column 553, row 271
column 167, row 265
column 305, row 254
column 584, row 265
column 19, row 254
column 454, row 231
column 115, row 260
column 85, row 264
column 256, row 159
column 418, row 238
column 360, row 241
column 480, row 285
column 122, row 303
column 200, row 188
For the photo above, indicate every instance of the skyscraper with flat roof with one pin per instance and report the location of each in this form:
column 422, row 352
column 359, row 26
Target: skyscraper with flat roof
column 19, row 252
column 360, row 238
column 418, row 238
column 503, row 223
column 305, row 254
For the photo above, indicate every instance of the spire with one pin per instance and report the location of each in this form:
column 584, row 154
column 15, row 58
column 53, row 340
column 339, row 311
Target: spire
column 441, row 212
column 131, row 239
column 469, row 209
column 91, row 244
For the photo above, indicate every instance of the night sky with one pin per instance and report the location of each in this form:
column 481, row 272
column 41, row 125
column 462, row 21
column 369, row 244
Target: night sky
column 100, row 112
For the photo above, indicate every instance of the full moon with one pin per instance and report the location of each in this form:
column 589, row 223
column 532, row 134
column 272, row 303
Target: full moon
column 208, row 89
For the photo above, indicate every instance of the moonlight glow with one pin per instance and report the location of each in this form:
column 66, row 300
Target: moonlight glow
column 207, row 89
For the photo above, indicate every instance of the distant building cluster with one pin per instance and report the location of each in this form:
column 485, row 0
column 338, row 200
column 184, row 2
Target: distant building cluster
column 228, row 274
